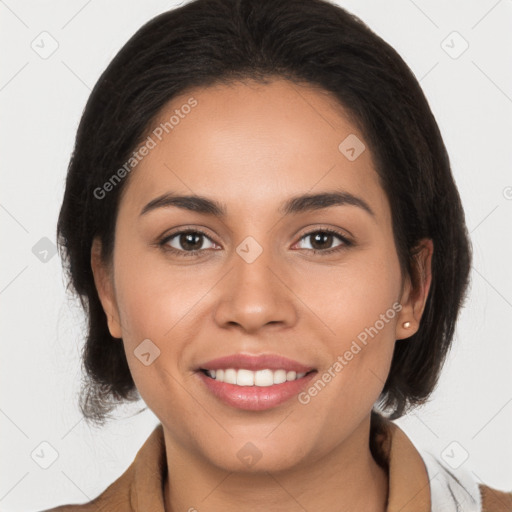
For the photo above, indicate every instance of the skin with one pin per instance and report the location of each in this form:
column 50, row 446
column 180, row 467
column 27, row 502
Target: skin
column 251, row 147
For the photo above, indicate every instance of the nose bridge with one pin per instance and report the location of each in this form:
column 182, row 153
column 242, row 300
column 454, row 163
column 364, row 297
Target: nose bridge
column 254, row 294
column 253, row 263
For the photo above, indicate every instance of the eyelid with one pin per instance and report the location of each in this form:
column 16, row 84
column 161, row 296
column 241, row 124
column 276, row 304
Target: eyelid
column 309, row 230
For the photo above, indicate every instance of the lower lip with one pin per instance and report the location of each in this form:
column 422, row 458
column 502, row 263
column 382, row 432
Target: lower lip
column 255, row 398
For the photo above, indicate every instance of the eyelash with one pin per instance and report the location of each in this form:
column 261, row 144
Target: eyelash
column 346, row 243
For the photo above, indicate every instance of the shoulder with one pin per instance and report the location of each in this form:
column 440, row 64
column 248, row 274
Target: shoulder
column 494, row 500
column 460, row 486
column 90, row 506
column 141, row 483
column 70, row 508
column 114, row 498
column 453, row 487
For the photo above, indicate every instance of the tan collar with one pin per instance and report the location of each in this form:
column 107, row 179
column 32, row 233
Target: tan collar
column 150, row 471
column 409, row 489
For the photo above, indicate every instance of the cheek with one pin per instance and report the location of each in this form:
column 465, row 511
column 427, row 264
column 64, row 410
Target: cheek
column 153, row 307
column 153, row 297
column 360, row 294
column 160, row 304
column 361, row 315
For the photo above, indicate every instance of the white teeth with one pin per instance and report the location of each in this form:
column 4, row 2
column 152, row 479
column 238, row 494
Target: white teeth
column 245, row 378
column 260, row 378
column 263, row 378
column 279, row 376
column 230, row 376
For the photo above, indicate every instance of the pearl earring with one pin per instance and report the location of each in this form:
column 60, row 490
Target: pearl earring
column 406, row 325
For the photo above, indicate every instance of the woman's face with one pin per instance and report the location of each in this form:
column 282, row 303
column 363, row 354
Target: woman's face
column 254, row 286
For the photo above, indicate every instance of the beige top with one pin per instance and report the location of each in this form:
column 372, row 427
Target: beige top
column 140, row 487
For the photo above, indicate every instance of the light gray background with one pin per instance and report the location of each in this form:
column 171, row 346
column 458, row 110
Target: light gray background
column 41, row 102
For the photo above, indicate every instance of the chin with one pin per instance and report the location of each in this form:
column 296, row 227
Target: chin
column 256, row 454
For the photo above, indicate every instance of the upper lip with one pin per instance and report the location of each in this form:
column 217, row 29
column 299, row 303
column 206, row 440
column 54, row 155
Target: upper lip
column 256, row 362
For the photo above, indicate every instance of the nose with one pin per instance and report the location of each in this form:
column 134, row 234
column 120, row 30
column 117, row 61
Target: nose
column 256, row 294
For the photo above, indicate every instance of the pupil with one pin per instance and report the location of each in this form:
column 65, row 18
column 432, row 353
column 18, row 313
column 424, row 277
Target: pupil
column 186, row 242
column 322, row 238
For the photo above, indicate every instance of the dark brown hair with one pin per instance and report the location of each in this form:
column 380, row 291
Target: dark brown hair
column 305, row 41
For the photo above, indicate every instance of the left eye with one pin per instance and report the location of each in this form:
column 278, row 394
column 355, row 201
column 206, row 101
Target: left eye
column 324, row 237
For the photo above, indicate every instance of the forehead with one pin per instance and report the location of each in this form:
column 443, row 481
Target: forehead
column 254, row 144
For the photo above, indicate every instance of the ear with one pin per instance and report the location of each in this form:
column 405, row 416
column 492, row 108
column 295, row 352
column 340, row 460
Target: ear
column 103, row 280
column 415, row 290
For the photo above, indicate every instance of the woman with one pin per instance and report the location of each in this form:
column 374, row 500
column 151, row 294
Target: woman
column 261, row 222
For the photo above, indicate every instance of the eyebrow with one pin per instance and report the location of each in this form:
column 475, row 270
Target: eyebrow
column 295, row 205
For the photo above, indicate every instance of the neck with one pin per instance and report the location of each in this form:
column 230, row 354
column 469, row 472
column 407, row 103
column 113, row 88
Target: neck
column 347, row 478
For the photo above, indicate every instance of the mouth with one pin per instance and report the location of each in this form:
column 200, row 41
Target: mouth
column 254, row 383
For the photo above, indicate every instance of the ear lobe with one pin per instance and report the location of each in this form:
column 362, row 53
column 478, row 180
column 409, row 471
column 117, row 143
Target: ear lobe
column 103, row 280
column 416, row 289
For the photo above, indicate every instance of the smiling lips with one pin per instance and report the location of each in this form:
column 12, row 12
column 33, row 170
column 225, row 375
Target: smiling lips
column 254, row 382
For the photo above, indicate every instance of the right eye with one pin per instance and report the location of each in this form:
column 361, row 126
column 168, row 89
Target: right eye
column 187, row 242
